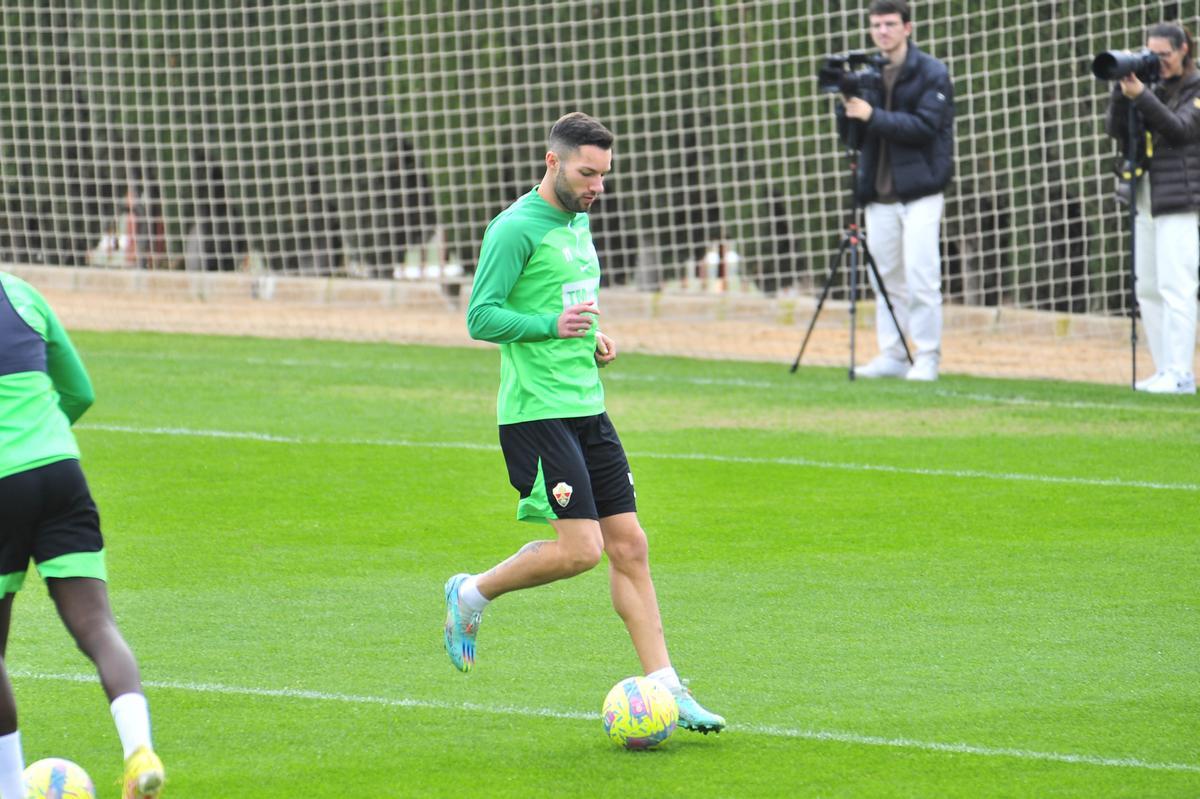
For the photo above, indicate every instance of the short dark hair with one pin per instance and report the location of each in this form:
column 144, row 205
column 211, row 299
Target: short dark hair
column 1177, row 35
column 880, row 7
column 576, row 129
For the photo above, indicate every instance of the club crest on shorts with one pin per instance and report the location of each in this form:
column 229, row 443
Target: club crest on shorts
column 562, row 494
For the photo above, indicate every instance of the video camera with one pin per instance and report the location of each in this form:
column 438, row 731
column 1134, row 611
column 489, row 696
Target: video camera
column 851, row 75
column 1116, row 64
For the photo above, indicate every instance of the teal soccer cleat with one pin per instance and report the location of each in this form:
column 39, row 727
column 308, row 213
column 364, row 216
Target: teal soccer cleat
column 461, row 626
column 693, row 716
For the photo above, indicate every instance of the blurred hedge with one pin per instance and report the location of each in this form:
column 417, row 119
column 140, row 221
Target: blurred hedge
column 340, row 131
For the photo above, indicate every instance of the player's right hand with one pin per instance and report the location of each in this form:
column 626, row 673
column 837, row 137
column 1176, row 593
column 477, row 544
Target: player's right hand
column 577, row 320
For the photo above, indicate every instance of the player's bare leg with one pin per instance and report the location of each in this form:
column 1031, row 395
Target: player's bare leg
column 8, row 705
column 83, row 605
column 12, row 760
column 636, row 602
column 633, row 594
column 578, row 548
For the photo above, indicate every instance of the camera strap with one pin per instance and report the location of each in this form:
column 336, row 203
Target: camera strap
column 1139, row 168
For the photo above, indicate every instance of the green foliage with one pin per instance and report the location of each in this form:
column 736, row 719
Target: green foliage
column 721, row 134
column 290, row 101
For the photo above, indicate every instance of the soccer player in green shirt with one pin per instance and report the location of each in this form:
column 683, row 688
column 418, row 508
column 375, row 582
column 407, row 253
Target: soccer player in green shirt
column 47, row 515
column 536, row 295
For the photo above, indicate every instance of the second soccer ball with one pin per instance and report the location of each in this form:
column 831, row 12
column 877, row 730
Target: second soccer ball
column 55, row 778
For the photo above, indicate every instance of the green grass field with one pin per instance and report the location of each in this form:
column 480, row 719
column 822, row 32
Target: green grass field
column 970, row 588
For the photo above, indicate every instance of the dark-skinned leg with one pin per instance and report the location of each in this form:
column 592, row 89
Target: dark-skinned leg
column 12, row 761
column 83, row 605
column 8, row 704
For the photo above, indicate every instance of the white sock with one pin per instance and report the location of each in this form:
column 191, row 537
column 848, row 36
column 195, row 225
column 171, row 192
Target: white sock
column 667, row 678
column 132, row 716
column 469, row 595
column 12, row 764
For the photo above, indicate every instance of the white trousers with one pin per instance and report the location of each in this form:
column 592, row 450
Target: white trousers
column 1166, row 260
column 903, row 238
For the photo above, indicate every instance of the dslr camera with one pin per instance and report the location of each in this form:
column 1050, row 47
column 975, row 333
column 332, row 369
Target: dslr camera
column 855, row 74
column 1116, row 64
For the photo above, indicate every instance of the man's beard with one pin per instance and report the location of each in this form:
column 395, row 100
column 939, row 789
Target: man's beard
column 568, row 201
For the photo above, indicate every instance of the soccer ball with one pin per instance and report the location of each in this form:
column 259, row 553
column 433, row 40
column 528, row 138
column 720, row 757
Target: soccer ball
column 55, row 778
column 639, row 713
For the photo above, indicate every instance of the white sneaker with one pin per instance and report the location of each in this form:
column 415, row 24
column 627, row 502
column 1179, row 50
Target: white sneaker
column 1172, row 382
column 925, row 369
column 882, row 366
column 1142, row 385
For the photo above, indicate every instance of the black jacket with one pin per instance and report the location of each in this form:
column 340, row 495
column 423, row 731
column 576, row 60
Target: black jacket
column 1171, row 113
column 919, row 130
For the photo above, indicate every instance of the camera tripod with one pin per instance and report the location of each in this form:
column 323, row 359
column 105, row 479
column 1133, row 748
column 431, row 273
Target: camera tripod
column 852, row 240
column 1130, row 171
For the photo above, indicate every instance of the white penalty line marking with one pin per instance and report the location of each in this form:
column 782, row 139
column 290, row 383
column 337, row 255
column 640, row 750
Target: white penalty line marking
column 803, row 462
column 752, row 729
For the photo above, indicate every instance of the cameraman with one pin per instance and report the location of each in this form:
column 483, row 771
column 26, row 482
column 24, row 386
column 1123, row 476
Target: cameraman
column 907, row 160
column 1168, row 245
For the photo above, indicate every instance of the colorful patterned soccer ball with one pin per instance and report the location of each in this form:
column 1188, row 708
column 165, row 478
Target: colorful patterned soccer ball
column 639, row 713
column 55, row 778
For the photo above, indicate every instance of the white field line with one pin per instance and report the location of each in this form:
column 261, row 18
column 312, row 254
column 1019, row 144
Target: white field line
column 1114, row 482
column 1108, row 482
column 731, row 382
column 749, row 729
column 1083, row 405
column 254, row 360
column 359, row 366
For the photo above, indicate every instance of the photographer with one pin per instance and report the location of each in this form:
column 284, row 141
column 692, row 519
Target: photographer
column 1167, row 243
column 907, row 160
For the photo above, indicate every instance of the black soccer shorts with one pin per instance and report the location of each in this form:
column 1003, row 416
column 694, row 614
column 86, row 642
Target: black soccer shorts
column 568, row 468
column 47, row 514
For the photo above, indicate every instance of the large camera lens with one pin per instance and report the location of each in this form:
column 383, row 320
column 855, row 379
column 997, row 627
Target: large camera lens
column 1116, row 64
